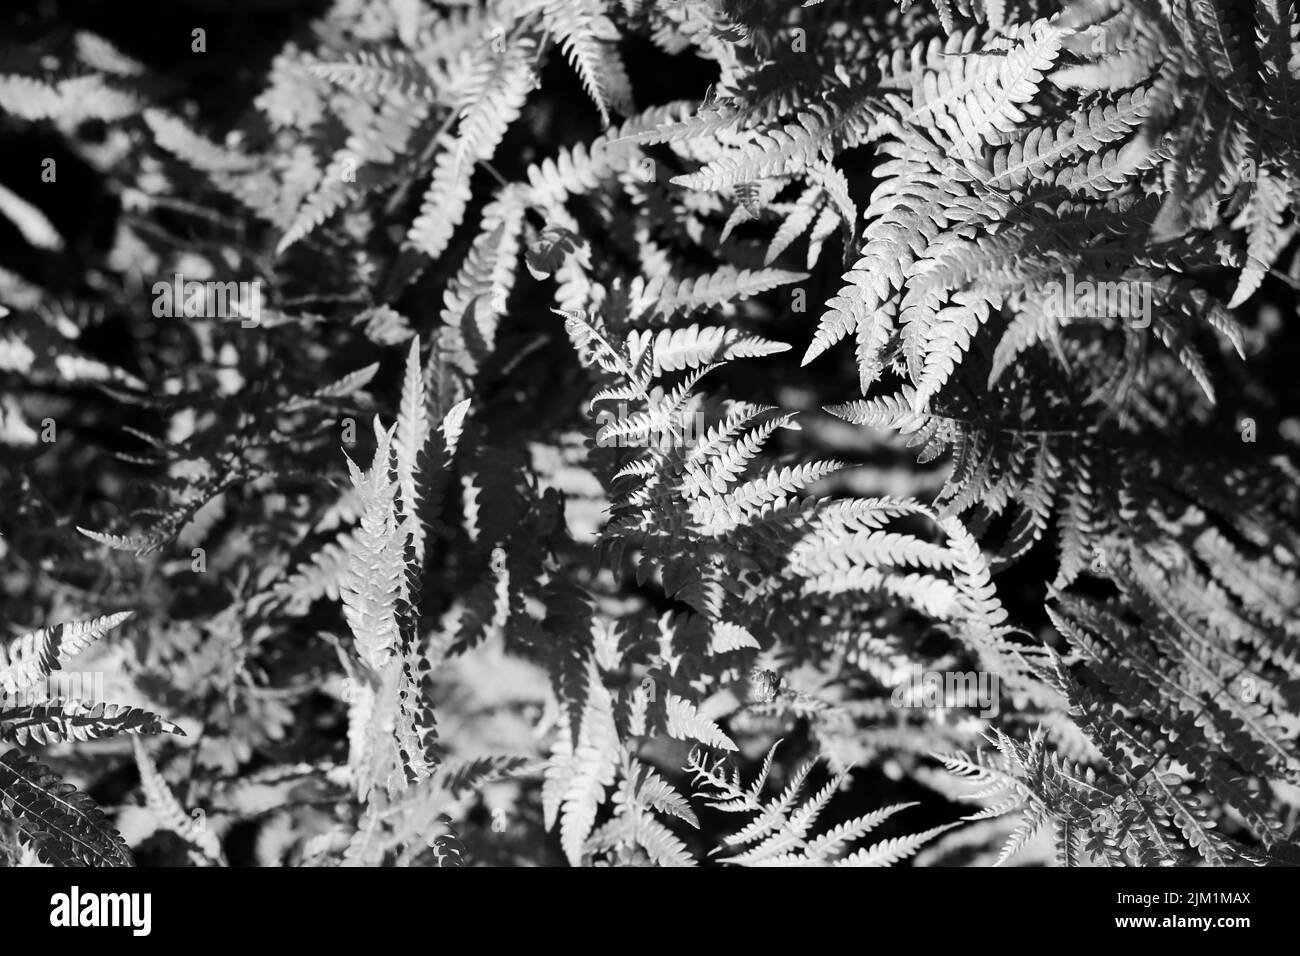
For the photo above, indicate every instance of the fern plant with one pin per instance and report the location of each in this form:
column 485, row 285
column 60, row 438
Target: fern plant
column 561, row 463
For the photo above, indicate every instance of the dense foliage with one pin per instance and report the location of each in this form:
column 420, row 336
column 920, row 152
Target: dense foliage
column 483, row 432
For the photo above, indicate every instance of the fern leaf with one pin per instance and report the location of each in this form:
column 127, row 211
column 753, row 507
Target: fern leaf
column 693, row 346
column 1263, row 216
column 56, row 721
column 686, row 723
column 164, row 805
column 379, row 71
column 583, row 30
column 889, row 852
column 1279, row 36
column 375, row 569
column 1015, row 166
column 781, row 150
column 34, row 656
column 492, row 102
column 592, row 769
column 668, row 296
column 59, row 821
column 409, row 439
column 978, row 98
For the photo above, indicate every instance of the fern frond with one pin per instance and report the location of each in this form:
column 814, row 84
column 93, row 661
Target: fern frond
column 379, row 71
column 492, row 101
column 778, row 834
column 59, row 821
column 787, row 149
column 34, row 656
column 1015, row 166
column 585, row 33
column 692, row 346
column 158, row 796
column 977, row 99
column 669, row 296
column 56, row 721
column 584, row 776
column 373, row 580
column 409, row 439
column 1263, row 217
column 686, row 723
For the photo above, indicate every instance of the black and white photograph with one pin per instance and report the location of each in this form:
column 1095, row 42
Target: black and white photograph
column 650, row 433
